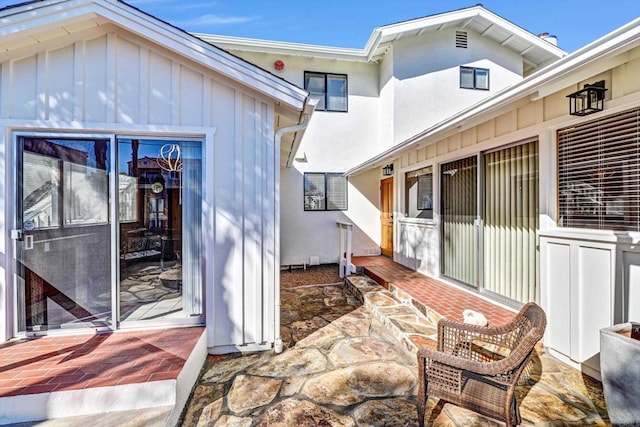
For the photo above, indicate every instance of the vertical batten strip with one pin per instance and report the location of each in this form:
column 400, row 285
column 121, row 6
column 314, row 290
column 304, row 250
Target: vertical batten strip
column 143, row 90
column 111, row 79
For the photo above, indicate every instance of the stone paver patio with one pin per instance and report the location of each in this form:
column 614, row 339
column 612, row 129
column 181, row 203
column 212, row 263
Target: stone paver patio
column 347, row 364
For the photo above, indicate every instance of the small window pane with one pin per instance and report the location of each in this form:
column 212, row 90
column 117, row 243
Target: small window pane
column 419, row 193
column 336, row 192
column 336, row 93
column 466, row 77
column 314, row 83
column 314, row 192
column 482, row 78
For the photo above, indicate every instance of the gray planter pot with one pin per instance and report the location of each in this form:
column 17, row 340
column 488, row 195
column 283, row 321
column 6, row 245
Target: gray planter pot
column 619, row 368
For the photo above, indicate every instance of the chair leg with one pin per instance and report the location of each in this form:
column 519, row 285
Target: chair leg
column 513, row 415
column 422, row 392
column 421, row 411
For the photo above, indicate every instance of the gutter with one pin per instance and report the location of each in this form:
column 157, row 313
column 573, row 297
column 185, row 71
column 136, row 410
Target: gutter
column 310, row 106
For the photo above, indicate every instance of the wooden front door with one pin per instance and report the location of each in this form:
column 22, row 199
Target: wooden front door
column 386, row 216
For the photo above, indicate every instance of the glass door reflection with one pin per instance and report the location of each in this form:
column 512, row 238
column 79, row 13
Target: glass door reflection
column 159, row 186
column 63, row 250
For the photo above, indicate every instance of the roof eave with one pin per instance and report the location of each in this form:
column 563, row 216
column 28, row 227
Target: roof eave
column 608, row 46
column 48, row 13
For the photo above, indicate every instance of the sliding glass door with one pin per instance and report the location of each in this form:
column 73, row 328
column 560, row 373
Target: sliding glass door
column 459, row 213
column 511, row 213
column 106, row 233
column 492, row 248
column 62, row 234
column 159, row 224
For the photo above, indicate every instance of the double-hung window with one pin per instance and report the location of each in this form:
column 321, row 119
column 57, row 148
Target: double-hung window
column 325, row 192
column 474, row 78
column 329, row 89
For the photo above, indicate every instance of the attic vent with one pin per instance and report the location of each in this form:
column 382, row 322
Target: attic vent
column 461, row 39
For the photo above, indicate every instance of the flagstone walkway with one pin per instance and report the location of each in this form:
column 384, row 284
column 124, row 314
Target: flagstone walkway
column 348, row 365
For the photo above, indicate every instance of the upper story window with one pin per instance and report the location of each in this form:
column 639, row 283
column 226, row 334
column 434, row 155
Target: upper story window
column 474, row 78
column 598, row 173
column 325, row 192
column 419, row 193
column 329, row 89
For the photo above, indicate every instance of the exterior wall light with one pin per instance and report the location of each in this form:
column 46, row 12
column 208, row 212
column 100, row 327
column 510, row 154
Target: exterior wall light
column 388, row 170
column 589, row 99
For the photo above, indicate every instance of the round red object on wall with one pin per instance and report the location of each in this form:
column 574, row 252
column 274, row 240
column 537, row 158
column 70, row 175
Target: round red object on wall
column 278, row 65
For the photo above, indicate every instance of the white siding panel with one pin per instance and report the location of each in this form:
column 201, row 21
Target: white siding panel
column 268, row 220
column 631, row 286
column 226, row 233
column 95, row 77
column 418, row 247
column 251, row 219
column 60, row 74
column 595, row 267
column 191, row 97
column 128, row 82
column 159, row 79
column 558, row 278
column 24, row 76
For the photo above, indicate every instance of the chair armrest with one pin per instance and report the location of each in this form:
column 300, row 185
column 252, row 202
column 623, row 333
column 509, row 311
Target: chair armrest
column 494, row 368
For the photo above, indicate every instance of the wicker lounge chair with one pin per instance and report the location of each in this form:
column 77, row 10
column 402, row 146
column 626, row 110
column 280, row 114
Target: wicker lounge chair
column 478, row 367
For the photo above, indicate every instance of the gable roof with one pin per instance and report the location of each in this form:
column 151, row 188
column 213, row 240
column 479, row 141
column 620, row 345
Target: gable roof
column 536, row 52
column 592, row 59
column 33, row 22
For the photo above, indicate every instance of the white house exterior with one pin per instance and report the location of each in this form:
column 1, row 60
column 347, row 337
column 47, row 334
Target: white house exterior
column 125, row 142
column 405, row 78
column 499, row 211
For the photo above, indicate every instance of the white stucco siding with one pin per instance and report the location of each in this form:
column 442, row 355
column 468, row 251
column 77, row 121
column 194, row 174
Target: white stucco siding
column 387, row 99
column 427, row 73
column 305, row 234
column 337, row 140
column 117, row 83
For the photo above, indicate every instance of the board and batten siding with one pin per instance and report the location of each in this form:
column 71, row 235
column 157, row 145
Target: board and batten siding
column 108, row 82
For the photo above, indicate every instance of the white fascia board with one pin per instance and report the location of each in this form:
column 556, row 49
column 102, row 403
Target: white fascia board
column 565, row 70
column 464, row 15
column 283, row 48
column 65, row 11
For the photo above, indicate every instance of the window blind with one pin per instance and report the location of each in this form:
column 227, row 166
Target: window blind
column 336, row 192
column 599, row 173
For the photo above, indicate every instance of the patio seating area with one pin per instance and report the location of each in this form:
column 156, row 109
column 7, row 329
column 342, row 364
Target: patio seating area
column 347, row 365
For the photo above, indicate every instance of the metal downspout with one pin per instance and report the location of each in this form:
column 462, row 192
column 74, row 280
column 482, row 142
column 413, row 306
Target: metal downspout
column 277, row 343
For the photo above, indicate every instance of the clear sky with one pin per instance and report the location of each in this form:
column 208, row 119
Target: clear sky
column 349, row 23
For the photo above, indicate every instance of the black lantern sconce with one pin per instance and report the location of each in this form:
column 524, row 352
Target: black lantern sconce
column 589, row 99
column 388, row 170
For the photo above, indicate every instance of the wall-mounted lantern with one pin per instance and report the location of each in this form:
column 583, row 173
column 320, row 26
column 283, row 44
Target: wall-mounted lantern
column 589, row 99
column 388, row 170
